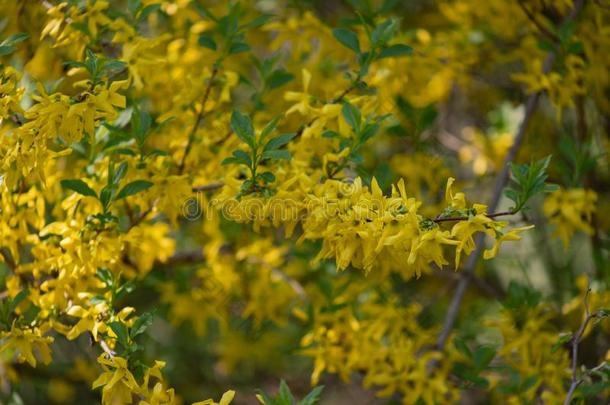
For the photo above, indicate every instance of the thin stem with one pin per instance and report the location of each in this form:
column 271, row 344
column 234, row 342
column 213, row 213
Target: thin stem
column 463, row 218
column 199, row 119
column 111, row 353
column 530, row 16
column 575, row 342
column 208, row 187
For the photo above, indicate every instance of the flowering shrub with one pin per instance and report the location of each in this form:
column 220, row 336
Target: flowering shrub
column 199, row 198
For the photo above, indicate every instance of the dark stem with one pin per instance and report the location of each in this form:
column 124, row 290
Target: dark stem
column 575, row 342
column 463, row 218
column 198, row 120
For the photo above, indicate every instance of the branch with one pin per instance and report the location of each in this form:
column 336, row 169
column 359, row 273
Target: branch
column 208, row 187
column 463, row 218
column 8, row 258
column 575, row 342
column 501, row 180
column 530, row 16
column 198, row 120
column 111, row 353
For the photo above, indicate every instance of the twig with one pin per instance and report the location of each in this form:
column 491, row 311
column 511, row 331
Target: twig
column 464, row 218
column 530, row 16
column 200, row 116
column 138, row 220
column 575, row 342
column 501, row 180
column 111, row 353
column 208, row 187
column 8, row 258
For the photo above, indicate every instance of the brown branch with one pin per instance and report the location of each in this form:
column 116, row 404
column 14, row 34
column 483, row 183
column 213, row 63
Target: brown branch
column 208, row 187
column 575, row 342
column 501, row 180
column 463, row 218
column 198, row 120
column 530, row 16
column 8, row 258
column 138, row 220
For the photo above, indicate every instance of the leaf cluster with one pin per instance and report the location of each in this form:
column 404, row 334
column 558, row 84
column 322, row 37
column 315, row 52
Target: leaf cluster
column 228, row 36
column 363, row 129
column 527, row 180
column 259, row 150
column 379, row 47
column 97, row 67
column 111, row 191
column 285, row 396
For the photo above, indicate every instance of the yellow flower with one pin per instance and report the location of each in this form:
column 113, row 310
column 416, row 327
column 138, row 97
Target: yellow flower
column 464, row 230
column 303, row 98
column 226, row 399
column 511, row 235
column 570, row 211
column 117, row 381
column 24, row 342
column 457, row 201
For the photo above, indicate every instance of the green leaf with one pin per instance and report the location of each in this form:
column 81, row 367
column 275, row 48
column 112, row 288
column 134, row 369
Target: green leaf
column 369, row 131
column 482, row 356
column 347, row 38
column 395, row 50
column 120, row 173
column 267, row 177
column 461, row 346
column 330, row 134
column 207, row 41
column 383, row 32
column 105, row 275
column 110, row 65
column 6, row 49
column 201, row 9
column 528, row 180
column 242, row 126
column 529, row 382
column 285, row 396
column 279, row 78
column 270, row 127
column 312, row 397
column 133, row 6
column 141, row 121
column 279, row 141
column 147, row 10
column 141, row 324
column 79, row 186
column 120, row 330
column 21, row 295
column 124, row 290
column 276, row 154
column 15, row 38
column 352, row 116
column 242, row 158
column 258, row 21
column 133, row 188
column 106, row 197
column 238, row 47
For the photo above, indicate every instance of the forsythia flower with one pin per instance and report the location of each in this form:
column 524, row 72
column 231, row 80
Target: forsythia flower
column 117, row 382
column 27, row 343
column 570, row 210
column 226, row 399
